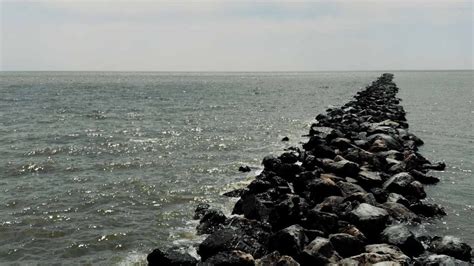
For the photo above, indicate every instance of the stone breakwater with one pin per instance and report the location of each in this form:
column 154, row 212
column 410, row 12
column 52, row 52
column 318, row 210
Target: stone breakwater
column 348, row 196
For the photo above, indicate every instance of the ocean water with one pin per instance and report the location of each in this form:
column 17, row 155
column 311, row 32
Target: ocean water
column 100, row 168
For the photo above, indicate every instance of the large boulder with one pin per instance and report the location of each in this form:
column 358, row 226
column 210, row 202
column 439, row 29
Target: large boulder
column 451, row 246
column 171, row 258
column 427, row 209
column 227, row 239
column 370, row 219
column 346, row 245
column 400, row 213
column 400, row 236
column 323, row 221
column 370, row 178
column 211, row 221
column 341, row 166
column 289, row 241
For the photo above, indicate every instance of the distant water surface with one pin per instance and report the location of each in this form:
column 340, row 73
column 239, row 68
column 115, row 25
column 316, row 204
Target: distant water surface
column 100, row 167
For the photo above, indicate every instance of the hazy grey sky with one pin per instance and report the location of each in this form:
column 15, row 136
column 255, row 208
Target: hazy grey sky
column 236, row 35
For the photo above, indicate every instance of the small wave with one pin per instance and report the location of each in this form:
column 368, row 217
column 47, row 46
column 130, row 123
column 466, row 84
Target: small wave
column 135, row 258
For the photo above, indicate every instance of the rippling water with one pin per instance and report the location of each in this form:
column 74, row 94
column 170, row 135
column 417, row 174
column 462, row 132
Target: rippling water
column 103, row 167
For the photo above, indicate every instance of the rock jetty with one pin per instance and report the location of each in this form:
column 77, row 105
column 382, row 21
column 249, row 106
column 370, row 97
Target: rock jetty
column 346, row 197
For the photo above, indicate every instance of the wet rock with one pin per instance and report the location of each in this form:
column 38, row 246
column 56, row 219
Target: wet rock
column 400, row 236
column 285, row 139
column 341, row 143
column 424, row 178
column 388, row 141
column 271, row 163
column 369, row 219
column 200, row 210
column 170, row 257
column 236, row 193
column 397, row 198
column 451, row 246
column 257, row 207
column 211, row 221
column 228, row 239
column 436, row 260
column 440, row 166
column 275, row 258
column 369, row 259
column 289, row 157
column 427, row 209
column 346, row 245
column 230, row 258
column 289, row 241
column 380, row 194
column 399, row 183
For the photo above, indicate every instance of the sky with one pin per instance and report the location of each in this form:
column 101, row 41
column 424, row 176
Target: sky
column 75, row 35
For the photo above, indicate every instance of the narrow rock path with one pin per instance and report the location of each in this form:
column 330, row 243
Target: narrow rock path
column 344, row 198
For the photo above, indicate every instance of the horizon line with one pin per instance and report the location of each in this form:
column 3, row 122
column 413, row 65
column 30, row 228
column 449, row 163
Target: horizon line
column 240, row 71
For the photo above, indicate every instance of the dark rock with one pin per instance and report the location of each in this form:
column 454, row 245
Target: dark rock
column 451, row 246
column 341, row 167
column 436, row 260
column 380, row 194
column 257, row 207
column 393, row 252
column 170, row 257
column 289, row 210
column 319, row 252
column 236, row 193
column 289, row 157
column 275, row 258
column 329, row 204
column 341, row 143
column 289, row 241
column 285, row 139
column 399, row 183
column 322, row 188
column 228, row 239
column 427, row 209
column 211, row 221
column 230, row 258
column 440, row 166
column 370, row 178
column 397, row 198
column 362, row 198
column 346, row 245
column 244, row 169
column 353, row 231
column 369, row 219
column 400, row 236
column 399, row 212
column 200, row 210
column 323, row 221
column 349, row 188
column 423, row 178
column 271, row 163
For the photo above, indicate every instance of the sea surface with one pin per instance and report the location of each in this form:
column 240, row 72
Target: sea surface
column 102, row 167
